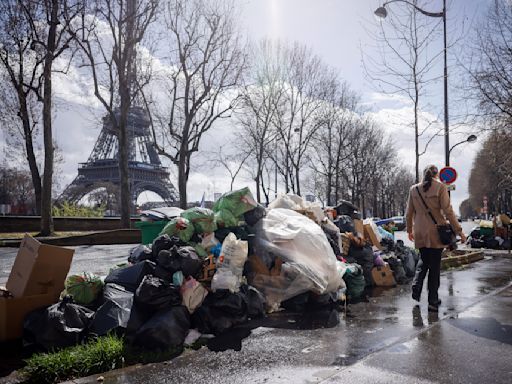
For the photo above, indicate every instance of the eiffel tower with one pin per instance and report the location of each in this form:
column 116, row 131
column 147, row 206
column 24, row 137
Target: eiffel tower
column 101, row 170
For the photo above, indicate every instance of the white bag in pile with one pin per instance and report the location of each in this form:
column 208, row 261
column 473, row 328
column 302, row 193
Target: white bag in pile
column 309, row 261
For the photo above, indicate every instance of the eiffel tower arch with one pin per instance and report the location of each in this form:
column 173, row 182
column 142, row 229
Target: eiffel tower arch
column 101, row 170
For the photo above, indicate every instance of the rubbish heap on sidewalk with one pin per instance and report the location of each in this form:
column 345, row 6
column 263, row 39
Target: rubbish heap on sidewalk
column 210, row 270
column 492, row 234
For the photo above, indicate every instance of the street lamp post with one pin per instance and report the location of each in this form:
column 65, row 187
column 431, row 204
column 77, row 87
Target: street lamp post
column 382, row 13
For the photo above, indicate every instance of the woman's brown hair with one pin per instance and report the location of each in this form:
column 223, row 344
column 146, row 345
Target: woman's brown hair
column 428, row 175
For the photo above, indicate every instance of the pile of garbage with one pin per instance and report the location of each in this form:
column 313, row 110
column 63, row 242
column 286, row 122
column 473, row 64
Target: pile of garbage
column 492, row 234
column 211, row 270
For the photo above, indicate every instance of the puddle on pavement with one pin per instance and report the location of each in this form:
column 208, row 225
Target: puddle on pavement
column 486, row 327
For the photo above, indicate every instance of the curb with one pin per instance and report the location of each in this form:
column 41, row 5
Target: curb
column 117, row 236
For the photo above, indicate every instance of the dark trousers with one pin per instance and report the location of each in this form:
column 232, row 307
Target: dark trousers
column 430, row 261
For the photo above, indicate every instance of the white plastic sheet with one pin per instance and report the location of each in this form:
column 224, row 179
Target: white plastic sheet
column 309, row 262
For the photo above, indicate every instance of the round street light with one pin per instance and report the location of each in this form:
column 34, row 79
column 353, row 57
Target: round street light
column 381, row 12
column 471, row 139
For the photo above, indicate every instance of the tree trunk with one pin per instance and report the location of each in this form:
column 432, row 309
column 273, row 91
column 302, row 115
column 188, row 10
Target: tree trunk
column 297, row 180
column 29, row 148
column 124, row 176
column 258, row 193
column 182, row 176
column 46, row 195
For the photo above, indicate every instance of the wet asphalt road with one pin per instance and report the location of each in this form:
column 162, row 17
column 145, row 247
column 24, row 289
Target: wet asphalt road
column 96, row 259
column 384, row 340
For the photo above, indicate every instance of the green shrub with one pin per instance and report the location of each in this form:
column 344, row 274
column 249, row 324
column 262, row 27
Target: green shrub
column 100, row 355
column 75, row 210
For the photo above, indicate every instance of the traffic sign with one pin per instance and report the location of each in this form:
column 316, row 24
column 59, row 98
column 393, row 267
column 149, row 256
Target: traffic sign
column 451, row 187
column 448, row 175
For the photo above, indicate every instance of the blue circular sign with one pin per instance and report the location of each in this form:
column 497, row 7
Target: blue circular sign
column 448, row 175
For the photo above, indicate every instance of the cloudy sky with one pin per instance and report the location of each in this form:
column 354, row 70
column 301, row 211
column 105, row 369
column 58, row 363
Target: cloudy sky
column 337, row 30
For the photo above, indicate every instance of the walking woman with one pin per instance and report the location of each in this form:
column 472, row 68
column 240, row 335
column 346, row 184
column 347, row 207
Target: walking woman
column 428, row 206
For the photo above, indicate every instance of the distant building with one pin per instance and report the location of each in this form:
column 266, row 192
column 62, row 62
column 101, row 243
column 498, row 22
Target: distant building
column 310, row 198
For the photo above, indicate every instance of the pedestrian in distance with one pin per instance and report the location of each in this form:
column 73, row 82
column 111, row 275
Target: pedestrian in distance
column 429, row 206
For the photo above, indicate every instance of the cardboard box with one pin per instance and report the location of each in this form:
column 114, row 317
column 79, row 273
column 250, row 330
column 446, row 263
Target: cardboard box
column 369, row 234
column 39, row 269
column 14, row 310
column 36, row 280
column 383, row 276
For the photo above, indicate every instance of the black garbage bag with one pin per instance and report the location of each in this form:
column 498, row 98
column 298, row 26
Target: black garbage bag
column 332, row 237
column 364, row 257
column 477, row 243
column 61, row 325
column 240, row 232
column 167, row 328
column 408, row 256
column 475, row 233
column 398, row 269
column 345, row 224
column 254, row 215
column 388, row 244
column 114, row 313
column 347, row 208
column 183, row 259
column 155, row 294
column 130, row 277
column 220, row 311
column 491, row 243
column 322, row 301
column 297, row 303
column 165, row 242
column 255, row 301
column 140, row 253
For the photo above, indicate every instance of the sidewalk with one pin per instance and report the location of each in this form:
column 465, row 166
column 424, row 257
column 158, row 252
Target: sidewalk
column 381, row 341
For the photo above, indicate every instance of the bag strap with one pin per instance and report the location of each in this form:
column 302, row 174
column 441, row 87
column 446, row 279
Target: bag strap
column 426, row 206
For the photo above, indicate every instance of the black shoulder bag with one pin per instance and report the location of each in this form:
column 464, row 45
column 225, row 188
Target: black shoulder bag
column 445, row 231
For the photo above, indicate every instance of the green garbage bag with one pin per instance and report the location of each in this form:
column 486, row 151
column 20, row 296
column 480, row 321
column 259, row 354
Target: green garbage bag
column 354, row 280
column 225, row 219
column 236, row 202
column 179, row 227
column 203, row 219
column 84, row 289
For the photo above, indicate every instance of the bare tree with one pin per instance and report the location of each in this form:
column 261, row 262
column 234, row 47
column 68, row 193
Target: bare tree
column 233, row 163
column 491, row 66
column 496, row 185
column 331, row 141
column 257, row 109
column 109, row 38
column 403, row 66
column 21, row 64
column 49, row 22
column 207, row 62
column 305, row 79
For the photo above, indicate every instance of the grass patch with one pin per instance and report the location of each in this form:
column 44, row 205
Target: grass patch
column 100, row 355
column 97, row 356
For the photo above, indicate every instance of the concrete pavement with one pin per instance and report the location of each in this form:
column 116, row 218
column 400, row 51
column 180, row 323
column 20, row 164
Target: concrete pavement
column 384, row 340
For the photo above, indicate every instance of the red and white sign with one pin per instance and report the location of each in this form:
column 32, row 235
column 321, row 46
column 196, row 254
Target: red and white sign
column 448, row 175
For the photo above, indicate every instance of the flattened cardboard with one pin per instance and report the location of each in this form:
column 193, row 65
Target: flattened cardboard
column 370, row 235
column 39, row 269
column 14, row 310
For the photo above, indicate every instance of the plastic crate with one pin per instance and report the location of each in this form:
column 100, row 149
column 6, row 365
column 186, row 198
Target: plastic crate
column 150, row 229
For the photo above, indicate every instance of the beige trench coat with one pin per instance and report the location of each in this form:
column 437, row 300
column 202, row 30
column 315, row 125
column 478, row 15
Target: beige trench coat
column 419, row 221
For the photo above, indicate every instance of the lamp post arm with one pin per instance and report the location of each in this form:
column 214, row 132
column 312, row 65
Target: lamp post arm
column 453, row 146
column 426, row 13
